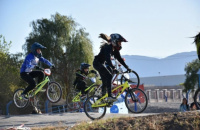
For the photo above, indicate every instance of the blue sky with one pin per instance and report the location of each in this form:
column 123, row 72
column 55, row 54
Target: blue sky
column 155, row 28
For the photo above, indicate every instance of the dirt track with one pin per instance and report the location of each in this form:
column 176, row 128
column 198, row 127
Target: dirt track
column 69, row 119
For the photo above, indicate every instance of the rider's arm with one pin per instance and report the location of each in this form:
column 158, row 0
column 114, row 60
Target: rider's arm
column 93, row 71
column 79, row 75
column 107, row 53
column 42, row 59
column 119, row 58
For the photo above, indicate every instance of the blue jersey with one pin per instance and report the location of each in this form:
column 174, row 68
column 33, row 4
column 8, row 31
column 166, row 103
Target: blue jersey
column 31, row 61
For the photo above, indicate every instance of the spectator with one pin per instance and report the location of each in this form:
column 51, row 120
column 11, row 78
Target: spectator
column 193, row 106
column 184, row 106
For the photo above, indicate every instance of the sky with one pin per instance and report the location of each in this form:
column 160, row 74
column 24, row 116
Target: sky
column 154, row 28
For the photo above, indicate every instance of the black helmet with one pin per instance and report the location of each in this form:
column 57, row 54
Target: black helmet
column 84, row 66
column 115, row 37
column 36, row 46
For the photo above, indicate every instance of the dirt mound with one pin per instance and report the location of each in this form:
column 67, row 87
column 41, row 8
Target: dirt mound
column 164, row 121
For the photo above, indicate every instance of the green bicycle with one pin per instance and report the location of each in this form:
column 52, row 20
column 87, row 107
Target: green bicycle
column 53, row 91
column 135, row 100
column 74, row 100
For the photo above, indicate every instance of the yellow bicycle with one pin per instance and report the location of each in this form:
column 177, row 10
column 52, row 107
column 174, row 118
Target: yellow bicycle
column 74, row 99
column 135, row 100
column 53, row 91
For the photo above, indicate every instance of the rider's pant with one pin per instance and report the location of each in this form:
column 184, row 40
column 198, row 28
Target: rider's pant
column 106, row 76
column 81, row 85
column 29, row 78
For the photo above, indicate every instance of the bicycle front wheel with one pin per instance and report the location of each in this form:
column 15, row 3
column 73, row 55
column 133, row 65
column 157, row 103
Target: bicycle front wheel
column 197, row 98
column 133, row 78
column 136, row 100
column 73, row 104
column 94, row 113
column 54, row 92
column 18, row 100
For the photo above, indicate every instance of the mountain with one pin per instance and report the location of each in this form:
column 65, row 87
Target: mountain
column 149, row 66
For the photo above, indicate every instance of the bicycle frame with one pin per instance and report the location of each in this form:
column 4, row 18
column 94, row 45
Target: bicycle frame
column 77, row 97
column 39, row 86
column 123, row 86
column 114, row 79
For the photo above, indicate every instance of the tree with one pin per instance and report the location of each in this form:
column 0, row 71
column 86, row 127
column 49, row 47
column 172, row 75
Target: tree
column 4, row 46
column 191, row 75
column 67, row 45
column 9, row 72
column 193, row 67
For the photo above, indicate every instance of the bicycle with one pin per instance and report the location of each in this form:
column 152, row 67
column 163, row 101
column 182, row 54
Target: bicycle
column 74, row 100
column 95, row 106
column 53, row 91
column 131, row 75
column 124, row 75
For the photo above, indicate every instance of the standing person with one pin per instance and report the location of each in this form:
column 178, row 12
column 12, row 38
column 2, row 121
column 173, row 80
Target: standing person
column 30, row 62
column 193, row 106
column 102, row 62
column 184, row 106
column 79, row 82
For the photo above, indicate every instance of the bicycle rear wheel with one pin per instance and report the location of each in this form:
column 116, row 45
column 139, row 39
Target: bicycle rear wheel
column 74, row 105
column 93, row 113
column 18, row 100
column 54, row 92
column 197, row 98
column 136, row 100
column 133, row 78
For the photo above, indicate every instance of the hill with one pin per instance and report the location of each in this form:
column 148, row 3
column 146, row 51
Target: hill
column 149, row 66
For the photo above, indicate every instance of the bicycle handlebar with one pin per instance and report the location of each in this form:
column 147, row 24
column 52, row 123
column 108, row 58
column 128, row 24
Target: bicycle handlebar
column 127, row 71
column 40, row 68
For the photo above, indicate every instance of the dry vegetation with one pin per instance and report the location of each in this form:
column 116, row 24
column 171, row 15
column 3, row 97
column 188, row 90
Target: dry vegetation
column 165, row 121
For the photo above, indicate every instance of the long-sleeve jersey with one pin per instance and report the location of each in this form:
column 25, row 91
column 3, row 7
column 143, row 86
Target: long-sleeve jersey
column 81, row 78
column 31, row 61
column 105, row 56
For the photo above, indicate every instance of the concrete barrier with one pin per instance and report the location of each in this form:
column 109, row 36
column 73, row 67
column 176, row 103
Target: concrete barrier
column 167, row 95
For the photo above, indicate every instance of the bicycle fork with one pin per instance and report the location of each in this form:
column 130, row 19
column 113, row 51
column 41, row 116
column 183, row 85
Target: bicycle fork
column 133, row 95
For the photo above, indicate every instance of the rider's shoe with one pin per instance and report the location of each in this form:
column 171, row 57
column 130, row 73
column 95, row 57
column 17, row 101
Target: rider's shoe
column 111, row 99
column 24, row 96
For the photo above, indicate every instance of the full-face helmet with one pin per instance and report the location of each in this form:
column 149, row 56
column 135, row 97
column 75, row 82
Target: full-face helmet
column 84, row 66
column 36, row 46
column 115, row 38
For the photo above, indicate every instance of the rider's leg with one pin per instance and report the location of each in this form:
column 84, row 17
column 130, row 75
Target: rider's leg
column 109, row 80
column 38, row 74
column 106, row 77
column 81, row 85
column 103, row 84
column 29, row 79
